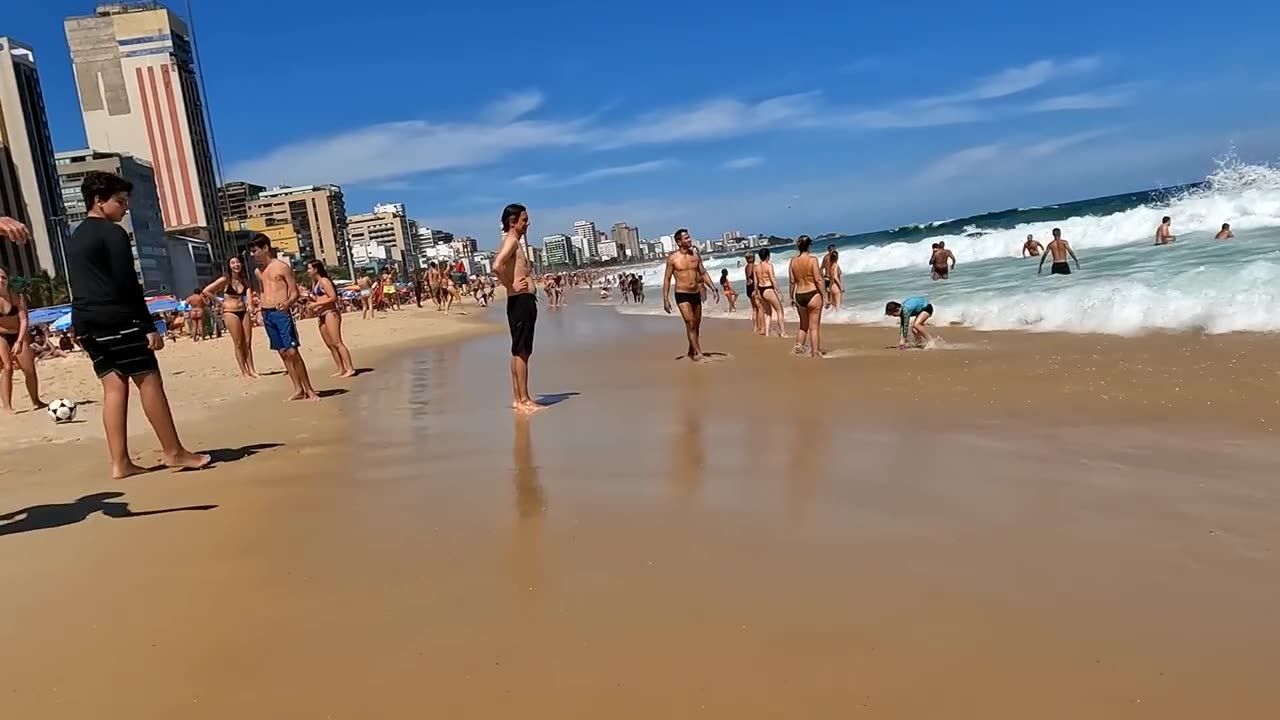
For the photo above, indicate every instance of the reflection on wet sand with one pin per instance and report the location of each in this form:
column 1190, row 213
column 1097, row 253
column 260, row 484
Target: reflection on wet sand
column 688, row 444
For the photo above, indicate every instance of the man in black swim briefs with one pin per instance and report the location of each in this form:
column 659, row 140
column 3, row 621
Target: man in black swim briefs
column 691, row 276
column 514, row 271
column 1058, row 249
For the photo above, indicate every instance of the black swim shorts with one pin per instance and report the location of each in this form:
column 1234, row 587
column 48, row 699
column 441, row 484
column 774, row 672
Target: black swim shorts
column 124, row 352
column 692, row 298
column 522, row 315
column 1060, row 268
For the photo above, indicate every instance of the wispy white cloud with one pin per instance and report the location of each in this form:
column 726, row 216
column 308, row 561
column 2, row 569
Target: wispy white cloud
column 546, row 180
column 743, row 163
column 1001, row 158
column 958, row 163
column 513, row 106
column 1098, row 100
column 1015, row 80
column 1053, row 146
column 915, row 117
column 719, row 118
column 532, row 179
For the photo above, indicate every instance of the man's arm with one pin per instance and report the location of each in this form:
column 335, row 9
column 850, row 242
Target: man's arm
column 14, row 231
column 952, row 257
column 1071, row 251
column 291, row 285
column 504, row 263
column 791, row 283
column 119, row 252
column 1043, row 256
column 905, row 317
column 666, row 285
column 23, row 325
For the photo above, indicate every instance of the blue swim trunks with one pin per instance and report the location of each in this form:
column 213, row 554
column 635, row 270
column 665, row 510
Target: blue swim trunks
column 281, row 330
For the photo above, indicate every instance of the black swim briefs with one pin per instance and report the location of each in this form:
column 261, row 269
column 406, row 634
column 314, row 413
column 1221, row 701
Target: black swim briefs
column 693, row 298
column 124, row 352
column 1060, row 268
column 522, row 315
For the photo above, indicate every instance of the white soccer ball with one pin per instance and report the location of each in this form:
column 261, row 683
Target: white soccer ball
column 62, row 410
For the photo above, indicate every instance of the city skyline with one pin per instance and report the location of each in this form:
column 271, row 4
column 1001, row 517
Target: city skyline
column 827, row 139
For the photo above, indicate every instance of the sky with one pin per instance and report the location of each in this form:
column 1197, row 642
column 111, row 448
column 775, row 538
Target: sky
column 809, row 117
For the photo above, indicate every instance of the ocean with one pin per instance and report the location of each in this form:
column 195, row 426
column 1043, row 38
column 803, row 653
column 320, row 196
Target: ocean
column 1126, row 285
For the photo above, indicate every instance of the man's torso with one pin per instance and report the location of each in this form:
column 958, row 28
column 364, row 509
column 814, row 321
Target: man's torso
column 1058, row 249
column 275, row 291
column 685, row 269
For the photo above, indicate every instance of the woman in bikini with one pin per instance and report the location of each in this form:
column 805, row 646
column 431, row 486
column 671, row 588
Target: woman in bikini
column 15, row 345
column 767, row 286
column 808, row 295
column 327, row 309
column 237, row 304
column 757, row 309
column 729, row 293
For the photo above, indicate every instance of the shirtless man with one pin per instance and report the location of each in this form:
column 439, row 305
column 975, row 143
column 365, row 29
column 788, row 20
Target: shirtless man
column 833, row 278
column 513, row 271
column 1164, row 233
column 1031, row 248
column 433, row 284
column 1225, row 233
column 366, row 296
column 198, row 305
column 1059, row 249
column 939, row 262
column 278, row 296
column 691, row 277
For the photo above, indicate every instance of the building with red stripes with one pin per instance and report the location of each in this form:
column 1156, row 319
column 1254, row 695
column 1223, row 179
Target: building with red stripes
column 135, row 74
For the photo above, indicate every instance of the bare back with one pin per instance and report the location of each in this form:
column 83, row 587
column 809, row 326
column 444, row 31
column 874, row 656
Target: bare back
column 764, row 275
column 1059, row 249
column 275, row 283
column 804, row 273
column 515, row 269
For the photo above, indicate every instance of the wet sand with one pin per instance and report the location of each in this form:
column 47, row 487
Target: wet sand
column 960, row 535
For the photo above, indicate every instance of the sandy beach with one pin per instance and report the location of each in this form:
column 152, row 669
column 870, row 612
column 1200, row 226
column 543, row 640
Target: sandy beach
column 1021, row 525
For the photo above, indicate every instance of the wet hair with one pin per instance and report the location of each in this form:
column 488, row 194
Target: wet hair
column 835, row 254
column 892, row 308
column 831, row 248
column 803, row 243
column 1057, row 232
column 941, row 244
column 511, row 214
column 102, row 186
column 260, row 241
column 764, row 254
column 1166, row 219
column 724, row 272
column 935, row 246
column 681, row 231
column 319, row 267
column 1226, row 226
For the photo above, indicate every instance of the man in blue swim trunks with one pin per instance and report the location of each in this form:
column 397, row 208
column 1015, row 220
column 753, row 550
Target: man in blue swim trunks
column 913, row 313
column 278, row 296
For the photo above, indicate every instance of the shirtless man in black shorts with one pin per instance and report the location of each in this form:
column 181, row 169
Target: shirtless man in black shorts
column 942, row 262
column 691, row 276
column 1059, row 249
column 513, row 270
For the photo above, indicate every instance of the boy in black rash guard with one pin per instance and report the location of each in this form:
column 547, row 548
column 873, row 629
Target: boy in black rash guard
column 110, row 316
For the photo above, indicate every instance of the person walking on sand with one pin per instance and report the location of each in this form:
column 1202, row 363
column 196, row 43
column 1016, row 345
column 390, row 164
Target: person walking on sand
column 1225, row 233
column 809, row 297
column 943, row 261
column 730, row 294
column 195, row 315
column 511, row 266
column 327, row 309
column 691, row 277
column 753, row 295
column 237, row 303
column 1164, row 233
column 767, row 287
column 16, row 345
column 1058, row 249
column 365, row 283
column 115, row 328
column 1031, row 248
column 912, row 313
column 279, row 295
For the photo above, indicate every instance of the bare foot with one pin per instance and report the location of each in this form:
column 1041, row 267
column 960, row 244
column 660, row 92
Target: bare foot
column 296, row 396
column 187, row 461
column 529, row 406
column 348, row 374
column 9, row 409
column 119, row 473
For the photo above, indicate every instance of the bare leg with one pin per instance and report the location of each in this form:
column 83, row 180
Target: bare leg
column 247, row 337
column 803, row 335
column 333, row 349
column 688, row 314
column 334, row 323
column 697, row 332
column 156, row 406
column 115, row 421
column 6, row 376
column 27, row 361
column 297, row 370
column 815, row 328
column 776, row 302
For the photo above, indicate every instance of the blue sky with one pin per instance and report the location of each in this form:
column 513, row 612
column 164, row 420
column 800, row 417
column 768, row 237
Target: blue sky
column 807, row 117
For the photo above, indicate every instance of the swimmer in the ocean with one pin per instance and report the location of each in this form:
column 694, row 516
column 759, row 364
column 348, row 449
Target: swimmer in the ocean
column 1031, row 248
column 1164, row 233
column 1059, row 249
column 912, row 313
column 1225, row 233
column 939, row 261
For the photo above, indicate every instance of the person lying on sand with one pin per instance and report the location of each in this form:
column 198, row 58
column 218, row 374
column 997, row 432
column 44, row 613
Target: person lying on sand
column 913, row 312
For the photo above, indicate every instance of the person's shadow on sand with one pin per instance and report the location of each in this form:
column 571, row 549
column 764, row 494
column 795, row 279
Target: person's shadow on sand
column 230, row 455
column 549, row 399
column 47, row 517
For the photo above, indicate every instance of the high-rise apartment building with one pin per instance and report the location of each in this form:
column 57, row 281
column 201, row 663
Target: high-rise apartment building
column 731, row 235
column 609, row 250
column 139, row 94
column 627, row 238
column 557, row 250
column 390, row 230
column 143, row 222
column 234, row 198
column 317, row 212
column 584, row 233
column 29, row 188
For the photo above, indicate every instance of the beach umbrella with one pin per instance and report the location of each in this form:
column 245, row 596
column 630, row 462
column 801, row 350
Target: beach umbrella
column 45, row 315
column 159, row 305
column 62, row 323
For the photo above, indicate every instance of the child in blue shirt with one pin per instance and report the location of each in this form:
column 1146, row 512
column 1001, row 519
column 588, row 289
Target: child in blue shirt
column 914, row 312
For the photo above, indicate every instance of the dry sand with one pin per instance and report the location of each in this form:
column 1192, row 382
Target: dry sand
column 1032, row 526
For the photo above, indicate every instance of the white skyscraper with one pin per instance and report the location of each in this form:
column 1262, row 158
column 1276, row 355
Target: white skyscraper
column 585, row 238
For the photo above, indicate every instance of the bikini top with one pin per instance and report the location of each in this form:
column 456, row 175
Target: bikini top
column 13, row 307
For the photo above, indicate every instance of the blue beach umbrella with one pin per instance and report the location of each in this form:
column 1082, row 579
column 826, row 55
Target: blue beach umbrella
column 62, row 323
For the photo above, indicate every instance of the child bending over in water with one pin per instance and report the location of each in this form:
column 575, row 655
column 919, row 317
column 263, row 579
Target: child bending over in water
column 914, row 312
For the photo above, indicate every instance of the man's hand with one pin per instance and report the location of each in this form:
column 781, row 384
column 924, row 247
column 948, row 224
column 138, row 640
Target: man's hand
column 666, row 304
column 520, row 285
column 13, row 230
column 155, row 341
